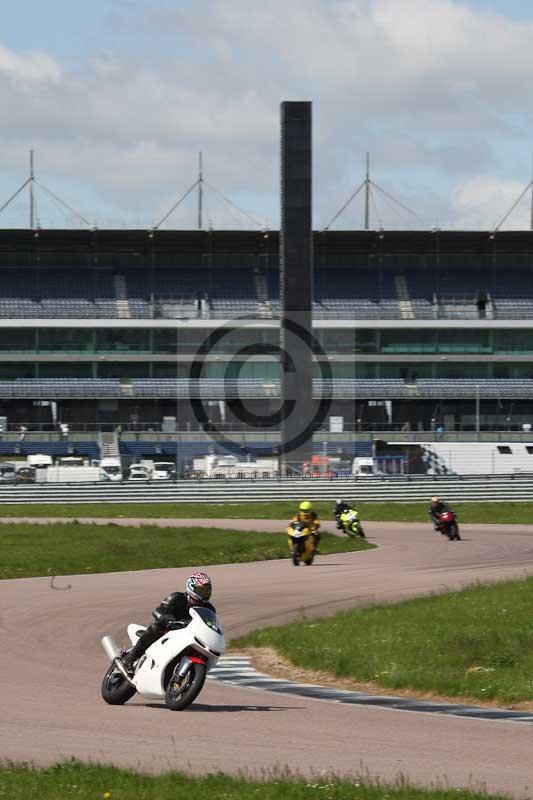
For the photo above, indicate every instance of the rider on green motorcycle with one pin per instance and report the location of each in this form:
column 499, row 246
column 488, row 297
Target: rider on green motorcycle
column 350, row 521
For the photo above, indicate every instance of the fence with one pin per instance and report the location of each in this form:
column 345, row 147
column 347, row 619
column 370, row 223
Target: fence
column 480, row 488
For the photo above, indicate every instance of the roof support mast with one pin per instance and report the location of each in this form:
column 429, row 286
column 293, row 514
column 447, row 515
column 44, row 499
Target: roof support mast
column 200, row 190
column 531, row 185
column 32, row 199
column 367, row 193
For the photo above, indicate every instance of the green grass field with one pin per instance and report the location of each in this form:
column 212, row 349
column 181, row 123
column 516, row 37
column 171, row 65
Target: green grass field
column 383, row 512
column 92, row 782
column 476, row 643
column 69, row 548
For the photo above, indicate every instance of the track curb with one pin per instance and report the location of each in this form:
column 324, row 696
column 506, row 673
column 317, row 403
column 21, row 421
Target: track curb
column 238, row 671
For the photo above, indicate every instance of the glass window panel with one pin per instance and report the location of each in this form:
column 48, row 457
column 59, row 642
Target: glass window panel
column 65, row 369
column 165, row 341
column 458, row 341
column 513, row 370
column 461, row 370
column 117, row 340
column 407, row 372
column 408, row 341
column 73, row 340
column 110, row 369
column 346, row 342
column 515, row 341
column 17, row 339
column 20, row 370
column 170, row 370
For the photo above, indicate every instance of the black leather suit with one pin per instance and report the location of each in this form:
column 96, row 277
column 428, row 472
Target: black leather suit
column 174, row 608
column 340, row 508
column 434, row 511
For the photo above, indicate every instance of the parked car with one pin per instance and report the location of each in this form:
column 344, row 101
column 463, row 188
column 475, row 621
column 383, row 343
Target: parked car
column 139, row 473
column 25, row 475
column 163, row 471
column 7, row 473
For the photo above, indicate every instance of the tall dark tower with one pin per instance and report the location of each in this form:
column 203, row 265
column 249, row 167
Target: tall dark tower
column 296, row 274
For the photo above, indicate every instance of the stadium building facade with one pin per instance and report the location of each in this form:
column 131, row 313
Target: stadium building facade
column 137, row 329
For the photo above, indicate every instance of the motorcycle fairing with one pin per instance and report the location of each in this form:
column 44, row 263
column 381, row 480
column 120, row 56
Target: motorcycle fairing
column 134, row 631
column 149, row 677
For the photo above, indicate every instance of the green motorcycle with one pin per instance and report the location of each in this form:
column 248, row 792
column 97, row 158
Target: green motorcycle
column 351, row 524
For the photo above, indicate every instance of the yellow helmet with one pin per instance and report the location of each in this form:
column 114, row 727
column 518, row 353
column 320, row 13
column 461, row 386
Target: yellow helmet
column 305, row 506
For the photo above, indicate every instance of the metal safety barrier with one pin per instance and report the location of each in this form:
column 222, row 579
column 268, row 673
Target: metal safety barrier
column 472, row 489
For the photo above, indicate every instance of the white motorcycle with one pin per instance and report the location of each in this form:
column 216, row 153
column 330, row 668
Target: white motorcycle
column 174, row 667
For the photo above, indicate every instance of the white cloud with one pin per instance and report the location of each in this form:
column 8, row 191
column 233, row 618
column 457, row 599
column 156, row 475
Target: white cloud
column 433, row 88
column 28, row 66
column 484, row 201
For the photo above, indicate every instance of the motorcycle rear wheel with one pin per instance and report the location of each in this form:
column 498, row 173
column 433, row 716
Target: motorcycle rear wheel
column 179, row 696
column 115, row 688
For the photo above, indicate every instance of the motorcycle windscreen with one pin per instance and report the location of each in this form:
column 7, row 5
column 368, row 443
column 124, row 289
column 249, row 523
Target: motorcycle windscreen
column 209, row 618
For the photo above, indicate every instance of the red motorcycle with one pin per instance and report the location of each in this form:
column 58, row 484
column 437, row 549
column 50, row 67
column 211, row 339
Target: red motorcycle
column 448, row 525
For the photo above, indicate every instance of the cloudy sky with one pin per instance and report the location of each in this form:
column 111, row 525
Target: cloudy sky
column 117, row 97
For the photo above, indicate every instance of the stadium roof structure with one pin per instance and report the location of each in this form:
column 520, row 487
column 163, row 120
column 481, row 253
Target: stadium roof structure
column 140, row 241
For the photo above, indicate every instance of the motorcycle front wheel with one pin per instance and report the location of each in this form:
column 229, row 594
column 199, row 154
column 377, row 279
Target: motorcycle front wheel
column 295, row 555
column 180, row 695
column 116, row 690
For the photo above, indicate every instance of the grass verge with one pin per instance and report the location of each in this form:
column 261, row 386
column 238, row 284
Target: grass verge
column 70, row 548
column 496, row 513
column 476, row 643
column 91, row 782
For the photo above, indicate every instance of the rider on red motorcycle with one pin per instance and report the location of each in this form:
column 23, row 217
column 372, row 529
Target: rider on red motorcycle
column 437, row 508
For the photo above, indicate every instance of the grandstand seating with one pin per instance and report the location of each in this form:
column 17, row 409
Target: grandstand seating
column 347, row 293
column 228, row 293
column 358, row 293
column 56, row 293
column 60, row 387
column 87, row 448
column 216, row 388
column 469, row 387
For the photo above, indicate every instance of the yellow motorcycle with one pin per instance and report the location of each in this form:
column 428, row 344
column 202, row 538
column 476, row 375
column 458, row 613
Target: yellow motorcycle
column 302, row 546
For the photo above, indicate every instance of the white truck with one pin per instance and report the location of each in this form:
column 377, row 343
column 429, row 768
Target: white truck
column 38, row 461
column 213, row 466
column 364, row 467
column 111, row 469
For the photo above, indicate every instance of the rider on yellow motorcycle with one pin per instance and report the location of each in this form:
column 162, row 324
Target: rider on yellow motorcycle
column 310, row 518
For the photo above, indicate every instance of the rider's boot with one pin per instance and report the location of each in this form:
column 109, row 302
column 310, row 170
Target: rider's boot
column 128, row 660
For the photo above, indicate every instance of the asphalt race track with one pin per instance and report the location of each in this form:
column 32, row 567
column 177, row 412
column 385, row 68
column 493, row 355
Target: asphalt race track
column 52, row 665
